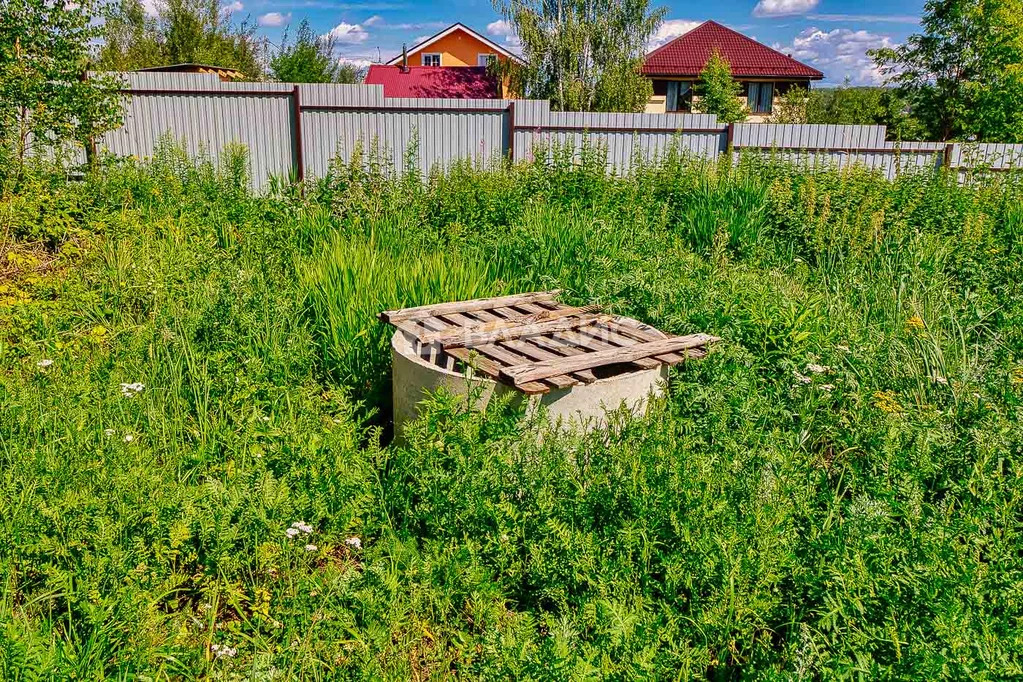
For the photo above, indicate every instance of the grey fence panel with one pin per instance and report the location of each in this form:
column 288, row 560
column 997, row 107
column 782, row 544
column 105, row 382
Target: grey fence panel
column 207, row 115
column 445, row 134
column 207, row 123
column 994, row 156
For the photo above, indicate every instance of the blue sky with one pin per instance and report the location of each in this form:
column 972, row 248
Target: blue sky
column 832, row 35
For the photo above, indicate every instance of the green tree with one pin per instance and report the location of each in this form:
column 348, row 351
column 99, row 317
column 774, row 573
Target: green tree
column 792, row 106
column 184, row 31
column 46, row 96
column 719, row 93
column 961, row 75
column 582, row 55
column 310, row 59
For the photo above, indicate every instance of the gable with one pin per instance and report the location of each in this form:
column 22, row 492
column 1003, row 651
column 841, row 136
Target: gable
column 455, row 39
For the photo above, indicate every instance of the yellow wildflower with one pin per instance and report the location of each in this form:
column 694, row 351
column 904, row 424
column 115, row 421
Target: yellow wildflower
column 915, row 323
column 886, row 402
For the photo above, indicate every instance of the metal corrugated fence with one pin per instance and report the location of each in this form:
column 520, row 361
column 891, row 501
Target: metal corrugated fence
column 296, row 130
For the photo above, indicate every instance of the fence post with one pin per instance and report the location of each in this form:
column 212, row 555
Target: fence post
column 730, row 141
column 296, row 109
column 90, row 142
column 946, row 161
column 511, row 131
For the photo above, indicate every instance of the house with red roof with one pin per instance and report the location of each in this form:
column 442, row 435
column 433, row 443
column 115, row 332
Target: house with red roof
column 452, row 64
column 765, row 73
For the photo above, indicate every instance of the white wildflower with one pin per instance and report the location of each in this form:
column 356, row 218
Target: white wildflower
column 44, row 363
column 291, row 532
column 844, row 349
column 108, row 432
column 223, row 651
column 938, row 379
column 128, row 438
column 132, row 390
column 354, row 543
column 264, row 418
column 801, row 378
column 311, row 548
column 827, row 387
column 302, row 526
column 817, row 369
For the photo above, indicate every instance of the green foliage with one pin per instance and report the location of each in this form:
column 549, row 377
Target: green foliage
column 719, row 93
column 961, row 74
column 848, row 105
column 833, row 493
column 310, row 59
column 582, row 55
column 183, row 32
column 792, row 106
column 47, row 102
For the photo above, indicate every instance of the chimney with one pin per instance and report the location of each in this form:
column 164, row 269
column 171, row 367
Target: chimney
column 404, row 58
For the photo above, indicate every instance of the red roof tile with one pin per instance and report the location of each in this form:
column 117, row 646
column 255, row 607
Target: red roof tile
column 688, row 54
column 449, row 82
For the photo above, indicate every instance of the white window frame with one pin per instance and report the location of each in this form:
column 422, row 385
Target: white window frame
column 427, row 55
column 484, row 58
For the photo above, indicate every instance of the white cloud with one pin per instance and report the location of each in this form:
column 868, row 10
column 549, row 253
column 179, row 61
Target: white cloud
column 841, row 53
column 233, row 7
column 781, row 8
column 361, row 62
column 348, row 34
column 503, row 29
column 273, row 19
column 669, row 30
column 373, row 20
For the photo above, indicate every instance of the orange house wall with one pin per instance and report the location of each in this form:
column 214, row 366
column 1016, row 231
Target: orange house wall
column 456, row 49
column 459, row 49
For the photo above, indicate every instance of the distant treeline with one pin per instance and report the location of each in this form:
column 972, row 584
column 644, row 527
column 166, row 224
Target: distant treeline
column 851, row 105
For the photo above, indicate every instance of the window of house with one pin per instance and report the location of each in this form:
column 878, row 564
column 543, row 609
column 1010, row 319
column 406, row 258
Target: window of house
column 485, row 59
column 431, row 59
column 760, row 97
column 679, row 96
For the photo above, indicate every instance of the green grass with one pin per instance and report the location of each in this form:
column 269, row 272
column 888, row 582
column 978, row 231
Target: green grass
column 835, row 492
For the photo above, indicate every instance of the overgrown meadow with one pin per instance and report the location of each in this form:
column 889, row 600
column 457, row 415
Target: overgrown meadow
column 197, row 479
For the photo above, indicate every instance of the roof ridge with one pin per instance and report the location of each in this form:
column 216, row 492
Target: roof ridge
column 757, row 42
column 687, row 54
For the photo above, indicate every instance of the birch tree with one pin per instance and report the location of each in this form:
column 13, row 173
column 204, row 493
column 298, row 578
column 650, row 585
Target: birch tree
column 582, row 55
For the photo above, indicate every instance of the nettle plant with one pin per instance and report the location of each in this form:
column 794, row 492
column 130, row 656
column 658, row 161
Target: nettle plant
column 48, row 101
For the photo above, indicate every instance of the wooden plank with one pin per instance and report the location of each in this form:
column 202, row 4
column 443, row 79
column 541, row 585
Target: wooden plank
column 593, row 344
column 493, row 323
column 542, row 342
column 534, row 351
column 549, row 368
column 518, row 331
column 559, row 348
column 420, row 312
column 509, row 358
column 641, row 332
column 491, row 369
column 504, row 353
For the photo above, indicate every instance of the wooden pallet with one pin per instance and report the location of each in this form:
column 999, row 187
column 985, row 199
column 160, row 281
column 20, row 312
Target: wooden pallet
column 534, row 343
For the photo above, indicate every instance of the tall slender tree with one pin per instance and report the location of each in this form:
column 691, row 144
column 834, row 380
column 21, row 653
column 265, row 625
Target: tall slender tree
column 582, row 55
column 309, row 59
